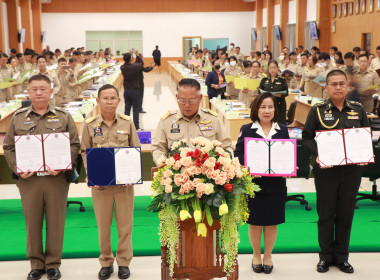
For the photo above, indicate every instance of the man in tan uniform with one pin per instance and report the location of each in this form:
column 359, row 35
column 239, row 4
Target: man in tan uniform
column 366, row 78
column 188, row 123
column 375, row 64
column 67, row 80
column 110, row 129
column 42, row 193
column 5, row 72
column 42, row 70
column 239, row 56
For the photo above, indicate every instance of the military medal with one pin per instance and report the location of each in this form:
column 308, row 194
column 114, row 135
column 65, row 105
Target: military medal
column 119, row 131
column 98, row 130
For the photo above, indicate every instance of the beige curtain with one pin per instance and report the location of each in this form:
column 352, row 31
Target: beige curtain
column 275, row 44
column 263, row 38
column 253, row 42
column 308, row 41
column 291, row 36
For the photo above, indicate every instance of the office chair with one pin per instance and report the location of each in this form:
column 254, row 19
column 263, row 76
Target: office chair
column 77, row 165
column 291, row 113
column 372, row 172
column 376, row 106
column 303, row 163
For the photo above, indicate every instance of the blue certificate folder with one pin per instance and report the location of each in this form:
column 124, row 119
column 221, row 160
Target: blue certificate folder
column 101, row 169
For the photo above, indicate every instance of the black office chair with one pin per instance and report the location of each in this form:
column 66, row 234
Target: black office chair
column 375, row 106
column 374, row 124
column 78, row 166
column 372, row 172
column 291, row 113
column 304, row 170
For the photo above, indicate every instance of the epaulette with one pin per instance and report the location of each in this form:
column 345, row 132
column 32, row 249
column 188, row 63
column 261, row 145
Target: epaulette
column 211, row 112
column 91, row 119
column 21, row 110
column 125, row 117
column 168, row 113
column 321, row 103
column 61, row 110
column 354, row 103
column 264, row 75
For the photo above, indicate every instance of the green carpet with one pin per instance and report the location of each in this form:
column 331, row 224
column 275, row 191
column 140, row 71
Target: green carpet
column 298, row 234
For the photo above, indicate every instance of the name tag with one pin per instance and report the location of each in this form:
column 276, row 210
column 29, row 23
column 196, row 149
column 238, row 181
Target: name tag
column 353, row 117
column 329, row 119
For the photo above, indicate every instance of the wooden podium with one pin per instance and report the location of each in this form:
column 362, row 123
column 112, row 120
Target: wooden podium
column 199, row 258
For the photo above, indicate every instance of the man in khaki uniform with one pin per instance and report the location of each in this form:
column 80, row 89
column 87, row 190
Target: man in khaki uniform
column 5, row 72
column 67, row 80
column 110, row 129
column 239, row 56
column 366, row 78
column 42, row 70
column 375, row 64
column 293, row 66
column 42, row 193
column 349, row 65
column 187, row 123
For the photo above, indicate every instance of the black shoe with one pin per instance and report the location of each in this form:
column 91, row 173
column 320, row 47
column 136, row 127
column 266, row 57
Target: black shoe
column 36, row 274
column 105, row 272
column 345, row 267
column 267, row 269
column 258, row 268
column 53, row 274
column 323, row 266
column 142, row 111
column 124, row 272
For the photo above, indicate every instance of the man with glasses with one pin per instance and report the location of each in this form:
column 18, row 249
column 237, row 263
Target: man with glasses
column 109, row 129
column 336, row 186
column 42, row 193
column 189, row 122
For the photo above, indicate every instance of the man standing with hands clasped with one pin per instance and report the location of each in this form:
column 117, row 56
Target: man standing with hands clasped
column 336, row 186
column 109, row 129
column 42, row 193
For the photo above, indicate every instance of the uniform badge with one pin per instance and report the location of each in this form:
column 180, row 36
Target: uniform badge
column 124, row 132
column 52, row 120
column 352, row 113
column 98, row 130
column 205, row 127
column 175, row 128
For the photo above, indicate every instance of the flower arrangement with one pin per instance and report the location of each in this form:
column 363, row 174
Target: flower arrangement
column 203, row 183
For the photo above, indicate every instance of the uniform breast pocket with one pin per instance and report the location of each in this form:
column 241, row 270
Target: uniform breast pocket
column 175, row 137
column 209, row 134
column 24, row 130
column 353, row 122
column 54, row 127
column 123, row 140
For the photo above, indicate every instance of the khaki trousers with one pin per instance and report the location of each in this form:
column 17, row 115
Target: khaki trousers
column 44, row 196
column 121, row 200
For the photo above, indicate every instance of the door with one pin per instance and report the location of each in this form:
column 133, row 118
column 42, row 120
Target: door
column 190, row 42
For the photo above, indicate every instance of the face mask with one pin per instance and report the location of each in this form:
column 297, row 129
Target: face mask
column 233, row 63
column 217, row 67
column 323, row 64
column 231, row 47
column 281, row 57
column 226, row 64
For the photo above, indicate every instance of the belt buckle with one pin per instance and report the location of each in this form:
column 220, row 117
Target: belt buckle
column 42, row 174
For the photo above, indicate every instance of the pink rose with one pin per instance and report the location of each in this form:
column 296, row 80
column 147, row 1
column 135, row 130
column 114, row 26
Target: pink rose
column 220, row 181
column 210, row 163
column 209, row 173
column 186, row 161
column 177, row 165
column 170, row 161
column 239, row 173
column 215, row 174
column 223, row 175
column 200, row 188
column 198, row 171
column 168, row 173
column 168, row 188
column 178, row 179
column 168, row 181
column 196, row 181
column 204, row 169
column 191, row 170
column 231, row 174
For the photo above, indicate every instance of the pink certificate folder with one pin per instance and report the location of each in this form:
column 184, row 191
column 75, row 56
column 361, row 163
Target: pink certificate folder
column 269, row 158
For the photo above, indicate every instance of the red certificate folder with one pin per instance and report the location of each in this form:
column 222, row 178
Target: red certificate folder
column 356, row 143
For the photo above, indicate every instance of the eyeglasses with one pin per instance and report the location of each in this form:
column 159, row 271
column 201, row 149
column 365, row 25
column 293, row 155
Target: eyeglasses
column 106, row 100
column 190, row 101
column 335, row 85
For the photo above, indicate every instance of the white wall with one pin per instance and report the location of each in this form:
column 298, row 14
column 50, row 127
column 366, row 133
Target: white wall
column 5, row 25
column 292, row 12
column 311, row 14
column 65, row 30
column 265, row 18
column 254, row 19
column 277, row 19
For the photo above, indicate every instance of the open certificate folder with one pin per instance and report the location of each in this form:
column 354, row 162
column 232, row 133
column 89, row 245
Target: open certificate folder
column 345, row 146
column 271, row 157
column 38, row 152
column 114, row 166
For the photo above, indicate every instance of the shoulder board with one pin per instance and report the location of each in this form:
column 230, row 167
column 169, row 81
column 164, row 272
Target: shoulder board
column 212, row 112
column 354, row 103
column 20, row 111
column 321, row 103
column 168, row 113
column 373, row 71
column 125, row 117
column 91, row 119
column 264, row 75
column 61, row 110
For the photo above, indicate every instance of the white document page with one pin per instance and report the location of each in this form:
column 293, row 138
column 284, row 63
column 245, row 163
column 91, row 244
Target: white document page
column 127, row 165
column 330, row 148
column 257, row 156
column 359, row 147
column 57, row 151
column 282, row 157
column 29, row 154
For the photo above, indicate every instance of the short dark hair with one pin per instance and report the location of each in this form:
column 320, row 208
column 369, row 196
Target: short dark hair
column 256, row 62
column 339, row 61
column 314, row 59
column 57, row 50
column 324, row 55
column 199, row 51
column 127, row 57
column 62, row 59
column 187, row 82
column 378, row 47
column 270, row 54
column 13, row 51
column 305, row 54
column 39, row 77
column 11, row 58
column 363, row 55
column 272, row 62
column 3, row 55
column 255, row 106
column 19, row 55
column 349, row 55
column 247, row 63
column 233, row 57
column 292, row 53
column 258, row 53
column 41, row 56
column 76, row 53
column 314, row 48
column 334, row 48
column 335, row 72
column 339, row 54
column 72, row 60
column 300, row 47
column 107, row 86
column 356, row 49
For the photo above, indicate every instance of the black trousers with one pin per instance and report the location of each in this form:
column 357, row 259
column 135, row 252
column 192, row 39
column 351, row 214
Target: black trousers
column 132, row 99
column 281, row 107
column 141, row 94
column 336, row 190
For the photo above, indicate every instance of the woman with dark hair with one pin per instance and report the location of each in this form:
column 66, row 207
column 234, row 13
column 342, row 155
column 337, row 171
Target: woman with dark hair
column 42, row 64
column 265, row 61
column 252, row 71
column 338, row 55
column 278, row 87
column 311, row 72
column 267, row 209
column 215, row 79
column 232, row 70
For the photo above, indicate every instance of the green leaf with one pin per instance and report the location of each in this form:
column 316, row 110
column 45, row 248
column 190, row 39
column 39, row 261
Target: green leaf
column 183, row 196
column 208, row 215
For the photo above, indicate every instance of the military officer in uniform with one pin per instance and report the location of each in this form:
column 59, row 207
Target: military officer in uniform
column 42, row 193
column 109, row 129
column 337, row 186
column 366, row 78
column 5, row 72
column 375, row 63
column 309, row 74
column 187, row 123
column 67, row 80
